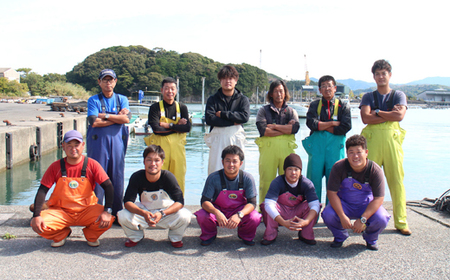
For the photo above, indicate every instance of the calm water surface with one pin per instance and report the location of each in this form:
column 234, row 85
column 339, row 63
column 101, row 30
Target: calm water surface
column 426, row 150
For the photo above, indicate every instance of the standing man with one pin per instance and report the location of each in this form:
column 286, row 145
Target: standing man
column 160, row 202
column 277, row 124
column 382, row 110
column 329, row 120
column 291, row 202
column 356, row 191
column 226, row 112
column 170, row 123
column 229, row 200
column 73, row 202
column 107, row 135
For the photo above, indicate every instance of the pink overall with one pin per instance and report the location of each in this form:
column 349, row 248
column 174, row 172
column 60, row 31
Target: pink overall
column 229, row 203
column 288, row 206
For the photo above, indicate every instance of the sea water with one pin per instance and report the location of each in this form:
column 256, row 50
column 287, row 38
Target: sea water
column 426, row 158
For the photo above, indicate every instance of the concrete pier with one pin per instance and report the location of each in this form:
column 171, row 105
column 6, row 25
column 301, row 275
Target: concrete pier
column 423, row 255
column 33, row 125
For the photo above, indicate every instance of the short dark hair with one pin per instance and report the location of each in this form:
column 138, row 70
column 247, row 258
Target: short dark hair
column 272, row 87
column 381, row 65
column 356, row 140
column 326, row 78
column 228, row 71
column 168, row 80
column 154, row 149
column 233, row 150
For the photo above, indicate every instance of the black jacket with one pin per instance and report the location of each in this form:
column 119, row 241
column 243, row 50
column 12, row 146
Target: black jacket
column 326, row 115
column 236, row 111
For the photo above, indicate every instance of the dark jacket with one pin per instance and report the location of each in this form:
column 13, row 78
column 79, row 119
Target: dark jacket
column 236, row 111
column 326, row 115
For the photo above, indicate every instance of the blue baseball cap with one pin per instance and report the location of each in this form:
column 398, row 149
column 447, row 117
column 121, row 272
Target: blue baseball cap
column 73, row 135
column 107, row 72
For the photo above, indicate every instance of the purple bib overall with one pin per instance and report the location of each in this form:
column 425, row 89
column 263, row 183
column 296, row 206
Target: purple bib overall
column 355, row 197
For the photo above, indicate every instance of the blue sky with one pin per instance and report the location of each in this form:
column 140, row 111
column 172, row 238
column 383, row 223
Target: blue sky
column 339, row 38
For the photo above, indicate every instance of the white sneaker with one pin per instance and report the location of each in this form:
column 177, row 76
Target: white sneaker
column 96, row 243
column 62, row 242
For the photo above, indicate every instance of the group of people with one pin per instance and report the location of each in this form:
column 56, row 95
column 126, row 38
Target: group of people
column 355, row 185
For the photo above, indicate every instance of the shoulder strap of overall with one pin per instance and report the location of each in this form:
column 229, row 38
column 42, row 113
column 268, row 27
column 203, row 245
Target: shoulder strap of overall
column 222, row 179
column 319, row 108
column 348, row 168
column 83, row 170
column 161, row 109
column 117, row 103
column 390, row 102
column 63, row 168
column 241, row 179
column 336, row 107
column 102, row 102
column 375, row 100
column 367, row 174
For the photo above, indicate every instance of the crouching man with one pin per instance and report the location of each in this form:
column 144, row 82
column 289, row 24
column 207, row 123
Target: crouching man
column 229, row 200
column 356, row 191
column 291, row 202
column 161, row 202
column 73, row 201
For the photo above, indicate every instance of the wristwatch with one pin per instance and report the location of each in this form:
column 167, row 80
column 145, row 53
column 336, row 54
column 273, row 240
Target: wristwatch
column 162, row 214
column 377, row 111
column 106, row 116
column 363, row 220
column 240, row 215
column 109, row 210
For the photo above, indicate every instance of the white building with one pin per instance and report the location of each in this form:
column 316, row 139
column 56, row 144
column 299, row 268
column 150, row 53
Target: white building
column 437, row 95
column 10, row 74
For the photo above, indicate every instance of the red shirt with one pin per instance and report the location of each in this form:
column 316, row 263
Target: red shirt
column 94, row 172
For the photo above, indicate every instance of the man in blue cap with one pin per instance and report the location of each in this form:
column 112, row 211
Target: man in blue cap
column 107, row 136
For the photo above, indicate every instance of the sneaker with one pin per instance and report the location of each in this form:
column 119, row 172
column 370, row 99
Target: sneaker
column 247, row 242
column 405, row 231
column 62, row 242
column 304, row 240
column 336, row 244
column 130, row 243
column 266, row 242
column 177, row 244
column 96, row 243
column 208, row 242
column 373, row 247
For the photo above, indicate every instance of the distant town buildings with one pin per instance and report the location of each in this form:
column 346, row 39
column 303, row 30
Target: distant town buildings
column 437, row 95
column 10, row 74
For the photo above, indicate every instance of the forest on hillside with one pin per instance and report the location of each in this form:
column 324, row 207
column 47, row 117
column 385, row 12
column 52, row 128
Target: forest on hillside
column 139, row 68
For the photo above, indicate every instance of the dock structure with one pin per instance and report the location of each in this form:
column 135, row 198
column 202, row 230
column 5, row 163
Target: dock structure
column 31, row 130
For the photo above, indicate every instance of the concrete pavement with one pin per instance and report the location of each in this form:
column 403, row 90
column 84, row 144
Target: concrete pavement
column 423, row 255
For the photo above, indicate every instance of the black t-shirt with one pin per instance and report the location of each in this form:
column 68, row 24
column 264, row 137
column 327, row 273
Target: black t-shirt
column 154, row 115
column 138, row 183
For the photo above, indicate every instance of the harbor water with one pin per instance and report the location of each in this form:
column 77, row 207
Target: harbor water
column 426, row 155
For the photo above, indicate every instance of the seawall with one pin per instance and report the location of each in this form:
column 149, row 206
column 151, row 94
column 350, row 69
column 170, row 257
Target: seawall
column 33, row 126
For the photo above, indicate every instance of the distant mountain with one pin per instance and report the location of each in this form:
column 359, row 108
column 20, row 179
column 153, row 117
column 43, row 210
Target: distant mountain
column 445, row 81
column 355, row 85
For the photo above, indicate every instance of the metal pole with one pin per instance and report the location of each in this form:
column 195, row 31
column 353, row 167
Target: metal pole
column 203, row 96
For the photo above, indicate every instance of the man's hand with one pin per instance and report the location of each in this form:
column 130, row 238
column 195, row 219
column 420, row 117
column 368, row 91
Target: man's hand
column 105, row 219
column 218, row 114
column 152, row 219
column 38, row 225
column 164, row 125
column 183, row 121
column 297, row 223
column 124, row 111
column 358, row 227
column 221, row 219
column 345, row 222
column 233, row 221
